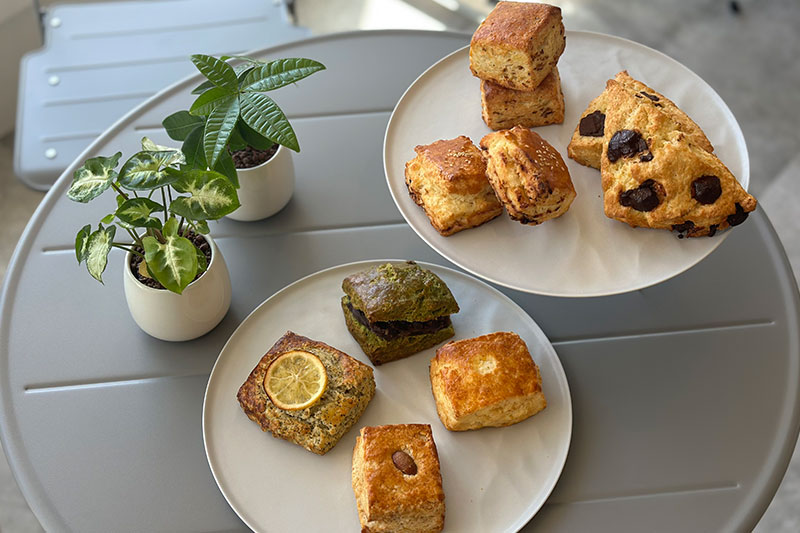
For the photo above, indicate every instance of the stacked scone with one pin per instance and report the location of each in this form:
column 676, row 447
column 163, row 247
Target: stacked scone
column 514, row 52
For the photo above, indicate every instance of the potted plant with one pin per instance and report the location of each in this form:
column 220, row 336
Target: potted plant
column 176, row 282
column 235, row 129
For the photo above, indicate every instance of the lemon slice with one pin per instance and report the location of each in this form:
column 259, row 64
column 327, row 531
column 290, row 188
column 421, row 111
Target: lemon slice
column 295, row 380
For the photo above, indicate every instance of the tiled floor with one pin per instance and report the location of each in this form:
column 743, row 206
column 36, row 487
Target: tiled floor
column 746, row 50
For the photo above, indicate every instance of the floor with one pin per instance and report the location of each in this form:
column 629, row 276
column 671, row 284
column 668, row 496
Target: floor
column 747, row 50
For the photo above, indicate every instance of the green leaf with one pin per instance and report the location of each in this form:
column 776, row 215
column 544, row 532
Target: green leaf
column 173, row 263
column 200, row 226
column 207, row 102
column 93, row 178
column 203, row 87
column 179, row 125
column 236, row 142
column 108, row 219
column 217, row 71
column 202, row 262
column 212, row 196
column 170, row 227
column 193, row 150
column 279, row 73
column 174, row 161
column 145, row 171
column 97, row 247
column 227, row 168
column 137, row 212
column 262, row 114
column 253, row 138
column 80, row 242
column 219, row 125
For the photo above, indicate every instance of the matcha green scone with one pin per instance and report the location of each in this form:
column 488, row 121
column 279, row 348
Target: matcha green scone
column 394, row 311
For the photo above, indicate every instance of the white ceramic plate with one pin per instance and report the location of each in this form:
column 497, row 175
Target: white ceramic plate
column 495, row 479
column 582, row 253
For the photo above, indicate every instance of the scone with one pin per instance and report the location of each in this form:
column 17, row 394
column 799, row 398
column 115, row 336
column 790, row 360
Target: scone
column 653, row 176
column 505, row 108
column 317, row 428
column 587, row 140
column 395, row 310
column 528, row 175
column 397, row 480
column 448, row 180
column 487, row 381
column 517, row 45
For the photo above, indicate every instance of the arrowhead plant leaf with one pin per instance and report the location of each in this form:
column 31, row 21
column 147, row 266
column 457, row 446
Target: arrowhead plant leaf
column 97, row 247
column 93, row 178
column 219, row 125
column 81, row 239
column 279, row 73
column 146, row 170
column 138, row 212
column 212, row 196
column 217, row 71
column 173, row 263
column 177, row 158
column 262, row 114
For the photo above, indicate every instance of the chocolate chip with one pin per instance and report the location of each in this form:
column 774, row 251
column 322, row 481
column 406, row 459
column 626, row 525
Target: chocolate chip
column 637, row 95
column 625, row 143
column 706, row 189
column 592, row 125
column 404, row 463
column 658, row 105
column 652, row 97
column 738, row 217
column 712, row 230
column 642, row 198
column 644, row 158
column 683, row 229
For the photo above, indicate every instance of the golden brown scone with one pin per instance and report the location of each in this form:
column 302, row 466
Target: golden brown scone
column 319, row 427
column 654, row 176
column 517, row 45
column 487, row 381
column 587, row 140
column 505, row 108
column 397, row 480
column 448, row 180
column 528, row 175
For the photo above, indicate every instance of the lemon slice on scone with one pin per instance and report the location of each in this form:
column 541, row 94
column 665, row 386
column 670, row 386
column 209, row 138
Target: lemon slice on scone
column 295, row 380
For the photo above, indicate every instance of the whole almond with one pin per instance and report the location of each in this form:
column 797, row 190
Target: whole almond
column 404, row 463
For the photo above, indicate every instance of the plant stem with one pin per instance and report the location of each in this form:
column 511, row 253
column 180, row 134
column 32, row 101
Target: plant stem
column 127, row 249
column 180, row 227
column 135, row 238
column 119, row 191
column 164, row 201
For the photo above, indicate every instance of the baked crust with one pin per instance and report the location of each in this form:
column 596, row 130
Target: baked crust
column 586, row 149
column 517, row 45
column 505, row 108
column 486, row 381
column 448, row 180
column 319, row 427
column 528, row 175
column 387, row 499
column 669, row 168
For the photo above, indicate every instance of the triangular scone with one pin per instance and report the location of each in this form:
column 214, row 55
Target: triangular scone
column 654, row 176
column 587, row 140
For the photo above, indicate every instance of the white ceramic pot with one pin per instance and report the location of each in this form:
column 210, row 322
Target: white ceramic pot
column 181, row 317
column 266, row 189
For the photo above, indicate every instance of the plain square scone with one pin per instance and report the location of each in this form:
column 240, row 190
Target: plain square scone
column 587, row 140
column 528, row 175
column 350, row 387
column 397, row 480
column 503, row 108
column 486, row 381
column 448, row 180
column 517, row 45
column 653, row 176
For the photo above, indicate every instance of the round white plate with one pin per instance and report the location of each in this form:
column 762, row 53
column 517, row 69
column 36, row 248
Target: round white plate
column 582, row 253
column 495, row 479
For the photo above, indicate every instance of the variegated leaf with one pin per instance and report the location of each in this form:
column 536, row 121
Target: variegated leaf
column 146, row 170
column 138, row 212
column 177, row 156
column 212, row 196
column 80, row 242
column 219, row 125
column 93, row 178
column 97, row 247
column 262, row 114
column 173, row 263
column 276, row 74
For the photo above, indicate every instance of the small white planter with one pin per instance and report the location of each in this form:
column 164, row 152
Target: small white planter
column 266, row 189
column 181, row 317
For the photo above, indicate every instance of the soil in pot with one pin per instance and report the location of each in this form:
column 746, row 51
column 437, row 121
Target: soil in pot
column 198, row 240
column 250, row 157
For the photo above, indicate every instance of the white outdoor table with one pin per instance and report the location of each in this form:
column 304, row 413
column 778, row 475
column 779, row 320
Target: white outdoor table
column 685, row 394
